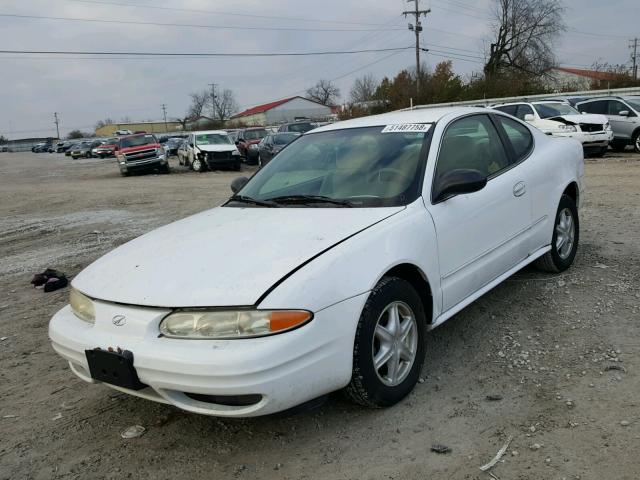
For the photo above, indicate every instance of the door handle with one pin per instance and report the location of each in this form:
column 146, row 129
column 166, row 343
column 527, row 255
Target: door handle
column 519, row 189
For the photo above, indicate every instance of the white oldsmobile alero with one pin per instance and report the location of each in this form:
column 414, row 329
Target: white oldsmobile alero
column 326, row 270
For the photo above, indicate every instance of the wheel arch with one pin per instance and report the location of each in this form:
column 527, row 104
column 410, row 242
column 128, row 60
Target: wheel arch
column 416, row 277
column 572, row 190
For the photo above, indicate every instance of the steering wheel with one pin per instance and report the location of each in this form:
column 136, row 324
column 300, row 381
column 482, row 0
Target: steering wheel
column 380, row 172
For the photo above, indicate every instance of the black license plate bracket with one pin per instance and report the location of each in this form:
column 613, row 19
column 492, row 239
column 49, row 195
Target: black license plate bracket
column 115, row 368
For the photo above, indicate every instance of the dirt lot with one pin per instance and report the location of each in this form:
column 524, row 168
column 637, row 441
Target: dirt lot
column 562, row 352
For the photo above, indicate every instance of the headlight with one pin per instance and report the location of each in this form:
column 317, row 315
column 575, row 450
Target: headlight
column 231, row 323
column 567, row 128
column 607, row 126
column 235, row 152
column 253, row 146
column 82, row 306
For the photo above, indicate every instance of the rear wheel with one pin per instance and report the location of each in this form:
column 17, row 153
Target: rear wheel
column 564, row 242
column 389, row 345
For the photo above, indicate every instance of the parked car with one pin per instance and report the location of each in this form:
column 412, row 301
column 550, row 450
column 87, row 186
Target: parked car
column 140, row 152
column 247, row 142
column 60, row 147
column 326, row 269
column 107, row 148
column 571, row 100
column 40, row 148
column 624, row 116
column 171, row 145
column 560, row 119
column 299, row 127
column 120, row 133
column 85, row 149
column 272, row 144
column 209, row 149
column 71, row 147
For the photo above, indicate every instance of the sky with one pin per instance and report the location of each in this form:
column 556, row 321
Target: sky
column 85, row 90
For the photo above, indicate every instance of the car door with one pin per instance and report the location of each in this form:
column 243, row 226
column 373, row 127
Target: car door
column 622, row 125
column 481, row 235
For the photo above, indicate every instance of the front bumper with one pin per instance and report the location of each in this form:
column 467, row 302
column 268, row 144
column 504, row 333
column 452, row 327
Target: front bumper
column 599, row 139
column 147, row 163
column 286, row 370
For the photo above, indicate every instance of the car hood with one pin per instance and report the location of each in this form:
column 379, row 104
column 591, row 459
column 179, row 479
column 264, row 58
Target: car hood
column 222, row 257
column 586, row 118
column 217, row 148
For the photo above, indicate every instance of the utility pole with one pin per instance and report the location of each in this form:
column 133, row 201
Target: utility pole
column 164, row 113
column 633, row 45
column 213, row 98
column 56, row 121
column 417, row 28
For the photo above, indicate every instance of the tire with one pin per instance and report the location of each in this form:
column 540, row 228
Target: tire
column 376, row 388
column 237, row 166
column 165, row 169
column 197, row 164
column 636, row 142
column 556, row 260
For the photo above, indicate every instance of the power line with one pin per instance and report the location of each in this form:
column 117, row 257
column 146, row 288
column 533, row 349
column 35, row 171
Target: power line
column 417, row 28
column 220, row 12
column 183, row 54
column 190, row 25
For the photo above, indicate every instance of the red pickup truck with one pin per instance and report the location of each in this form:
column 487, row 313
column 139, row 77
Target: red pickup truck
column 140, row 152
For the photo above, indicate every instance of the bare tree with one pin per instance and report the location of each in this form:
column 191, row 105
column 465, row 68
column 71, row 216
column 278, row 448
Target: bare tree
column 225, row 105
column 364, row 89
column 199, row 101
column 524, row 32
column 102, row 123
column 324, row 92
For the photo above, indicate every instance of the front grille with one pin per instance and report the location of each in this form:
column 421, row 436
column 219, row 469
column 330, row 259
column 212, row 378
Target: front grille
column 592, row 127
column 219, row 156
column 141, row 155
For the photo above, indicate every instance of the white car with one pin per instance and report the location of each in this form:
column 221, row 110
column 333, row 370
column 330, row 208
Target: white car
column 210, row 149
column 328, row 267
column 559, row 119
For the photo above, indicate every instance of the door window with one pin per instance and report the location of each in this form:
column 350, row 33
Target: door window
column 471, row 143
column 615, row 107
column 519, row 136
column 510, row 109
column 523, row 110
column 594, row 107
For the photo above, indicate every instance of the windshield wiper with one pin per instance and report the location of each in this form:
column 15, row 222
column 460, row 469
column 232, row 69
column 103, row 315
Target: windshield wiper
column 292, row 199
column 253, row 201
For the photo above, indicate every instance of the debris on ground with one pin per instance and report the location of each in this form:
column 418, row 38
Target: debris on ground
column 494, row 398
column 50, row 280
column 439, row 448
column 615, row 367
column 498, row 456
column 133, row 432
column 57, row 416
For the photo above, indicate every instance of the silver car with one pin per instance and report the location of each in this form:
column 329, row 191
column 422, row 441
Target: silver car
column 624, row 117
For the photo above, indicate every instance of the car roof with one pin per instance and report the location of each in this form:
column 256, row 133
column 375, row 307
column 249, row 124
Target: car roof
column 202, row 132
column 417, row 115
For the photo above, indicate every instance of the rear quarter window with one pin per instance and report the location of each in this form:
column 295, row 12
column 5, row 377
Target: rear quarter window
column 518, row 135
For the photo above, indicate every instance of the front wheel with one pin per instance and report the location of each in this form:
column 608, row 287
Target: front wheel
column 636, row 142
column 389, row 345
column 564, row 242
column 197, row 164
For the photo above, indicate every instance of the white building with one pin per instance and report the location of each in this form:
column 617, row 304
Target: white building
column 562, row 79
column 283, row 111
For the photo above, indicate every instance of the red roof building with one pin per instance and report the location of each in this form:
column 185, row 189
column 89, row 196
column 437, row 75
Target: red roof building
column 283, row 111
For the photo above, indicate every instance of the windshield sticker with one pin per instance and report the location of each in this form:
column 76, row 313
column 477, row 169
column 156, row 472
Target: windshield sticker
column 407, row 127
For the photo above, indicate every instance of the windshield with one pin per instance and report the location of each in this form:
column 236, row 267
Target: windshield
column 255, row 134
column 548, row 110
column 212, row 139
column 635, row 103
column 284, row 138
column 138, row 141
column 300, row 127
column 362, row 166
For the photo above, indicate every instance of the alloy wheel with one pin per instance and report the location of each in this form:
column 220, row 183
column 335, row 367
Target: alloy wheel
column 395, row 343
column 565, row 233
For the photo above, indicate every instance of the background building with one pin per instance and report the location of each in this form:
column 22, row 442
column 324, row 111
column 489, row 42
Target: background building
column 283, row 111
column 563, row 78
column 147, row 127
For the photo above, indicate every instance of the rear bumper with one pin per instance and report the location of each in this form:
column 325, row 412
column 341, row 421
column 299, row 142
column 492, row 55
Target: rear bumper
column 285, row 370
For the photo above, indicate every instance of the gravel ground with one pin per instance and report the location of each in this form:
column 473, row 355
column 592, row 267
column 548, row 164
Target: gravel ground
column 552, row 362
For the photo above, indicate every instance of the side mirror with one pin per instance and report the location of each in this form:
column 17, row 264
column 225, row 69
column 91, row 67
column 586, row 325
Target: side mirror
column 623, row 113
column 238, row 183
column 529, row 117
column 458, row 181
